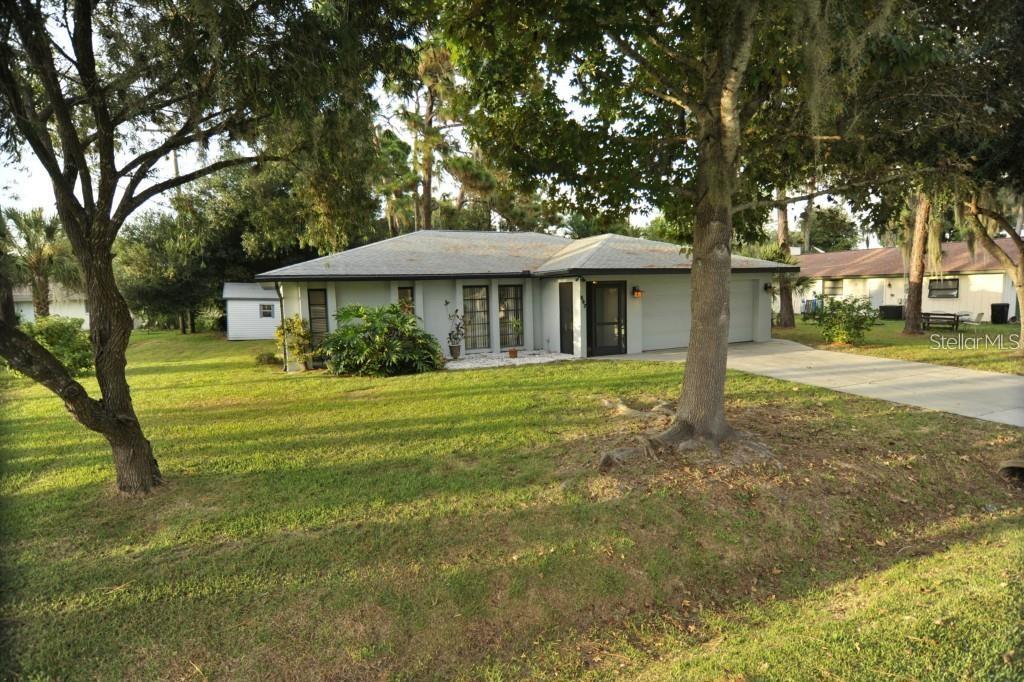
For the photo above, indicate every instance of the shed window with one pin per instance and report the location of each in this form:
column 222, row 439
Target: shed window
column 406, row 299
column 476, row 317
column 948, row 287
column 510, row 314
column 266, row 310
column 832, row 287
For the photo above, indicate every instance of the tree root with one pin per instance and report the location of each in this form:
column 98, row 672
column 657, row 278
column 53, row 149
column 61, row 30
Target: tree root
column 736, row 448
column 733, row 447
column 662, row 409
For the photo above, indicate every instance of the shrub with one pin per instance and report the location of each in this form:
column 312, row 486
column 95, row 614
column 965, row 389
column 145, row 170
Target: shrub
column 64, row 337
column 384, row 341
column 293, row 339
column 845, row 320
column 211, row 318
column 266, row 358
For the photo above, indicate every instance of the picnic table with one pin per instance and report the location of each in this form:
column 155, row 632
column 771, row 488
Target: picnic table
column 947, row 320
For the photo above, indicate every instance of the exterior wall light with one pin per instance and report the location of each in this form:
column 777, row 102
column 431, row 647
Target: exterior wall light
column 638, row 292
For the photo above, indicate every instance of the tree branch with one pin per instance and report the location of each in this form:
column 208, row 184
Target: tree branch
column 130, row 203
column 35, row 41
column 733, row 81
column 974, row 211
column 27, row 356
column 85, row 62
column 836, row 189
column 683, row 98
column 33, row 127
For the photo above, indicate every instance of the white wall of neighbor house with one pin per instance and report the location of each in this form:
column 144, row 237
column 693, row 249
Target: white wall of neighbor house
column 246, row 322
column 976, row 293
column 62, row 307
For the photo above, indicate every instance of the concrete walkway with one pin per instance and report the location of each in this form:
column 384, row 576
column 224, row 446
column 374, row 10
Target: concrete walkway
column 983, row 395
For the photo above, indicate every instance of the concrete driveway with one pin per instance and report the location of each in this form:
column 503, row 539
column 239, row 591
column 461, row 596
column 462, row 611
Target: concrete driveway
column 983, row 395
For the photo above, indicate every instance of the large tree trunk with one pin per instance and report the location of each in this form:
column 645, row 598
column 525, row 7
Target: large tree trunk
column 110, row 327
column 41, row 294
column 915, row 284
column 701, row 411
column 786, row 317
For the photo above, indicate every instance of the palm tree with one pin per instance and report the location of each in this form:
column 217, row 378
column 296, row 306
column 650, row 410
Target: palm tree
column 41, row 253
column 784, row 283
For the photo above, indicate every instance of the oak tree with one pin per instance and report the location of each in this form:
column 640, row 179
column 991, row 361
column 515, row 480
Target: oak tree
column 101, row 92
column 673, row 104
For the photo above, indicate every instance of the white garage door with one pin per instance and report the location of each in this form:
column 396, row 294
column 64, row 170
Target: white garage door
column 742, row 295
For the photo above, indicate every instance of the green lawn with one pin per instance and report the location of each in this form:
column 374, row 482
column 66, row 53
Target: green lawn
column 965, row 348
column 456, row 526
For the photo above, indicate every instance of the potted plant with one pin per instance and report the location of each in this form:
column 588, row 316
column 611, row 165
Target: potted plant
column 456, row 334
column 515, row 325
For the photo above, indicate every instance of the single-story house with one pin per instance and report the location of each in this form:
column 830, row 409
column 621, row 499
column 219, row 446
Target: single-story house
column 967, row 282
column 63, row 302
column 603, row 295
column 253, row 310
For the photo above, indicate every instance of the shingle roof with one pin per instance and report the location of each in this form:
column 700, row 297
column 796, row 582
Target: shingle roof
column 248, row 290
column 444, row 254
column 616, row 252
column 956, row 257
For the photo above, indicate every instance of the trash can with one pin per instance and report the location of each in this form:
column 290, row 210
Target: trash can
column 1000, row 313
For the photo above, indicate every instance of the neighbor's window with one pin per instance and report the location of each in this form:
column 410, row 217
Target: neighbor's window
column 406, row 299
column 510, row 314
column 832, row 287
column 476, row 317
column 266, row 309
column 948, row 287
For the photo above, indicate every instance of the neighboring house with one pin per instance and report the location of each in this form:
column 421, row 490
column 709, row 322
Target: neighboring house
column 62, row 302
column 253, row 310
column 966, row 282
column 602, row 295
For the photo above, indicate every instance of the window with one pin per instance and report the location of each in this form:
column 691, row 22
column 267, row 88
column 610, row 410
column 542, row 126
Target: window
column 266, row 310
column 476, row 316
column 948, row 287
column 832, row 287
column 406, row 299
column 510, row 314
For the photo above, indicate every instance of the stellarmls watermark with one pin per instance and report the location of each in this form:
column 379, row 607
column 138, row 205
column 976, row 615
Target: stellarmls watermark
column 964, row 342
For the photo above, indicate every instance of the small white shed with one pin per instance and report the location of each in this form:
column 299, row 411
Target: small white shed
column 253, row 310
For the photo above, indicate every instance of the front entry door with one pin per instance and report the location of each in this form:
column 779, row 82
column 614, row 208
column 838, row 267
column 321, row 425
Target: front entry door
column 565, row 317
column 606, row 318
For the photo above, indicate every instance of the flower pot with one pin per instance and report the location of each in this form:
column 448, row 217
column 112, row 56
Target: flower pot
column 455, row 350
column 513, row 353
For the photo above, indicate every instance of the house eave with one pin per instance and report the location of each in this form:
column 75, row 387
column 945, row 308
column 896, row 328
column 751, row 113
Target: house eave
column 901, row 275
column 580, row 272
column 268, row 277
column 571, row 272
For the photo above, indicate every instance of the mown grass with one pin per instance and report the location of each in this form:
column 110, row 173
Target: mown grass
column 455, row 525
column 966, row 347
